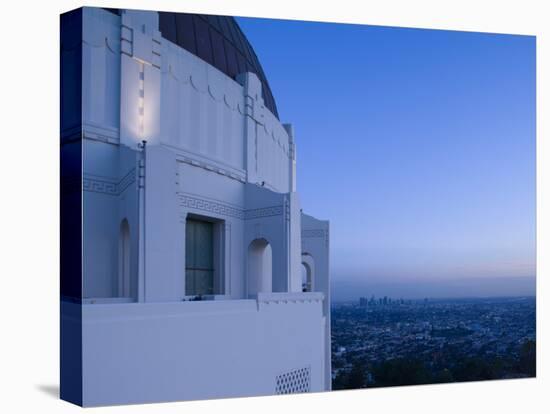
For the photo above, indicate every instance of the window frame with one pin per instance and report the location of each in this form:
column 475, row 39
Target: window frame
column 218, row 253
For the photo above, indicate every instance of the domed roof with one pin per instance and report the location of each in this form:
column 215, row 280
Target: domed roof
column 217, row 40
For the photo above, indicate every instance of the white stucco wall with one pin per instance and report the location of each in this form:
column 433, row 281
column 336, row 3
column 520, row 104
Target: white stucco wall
column 213, row 150
column 215, row 135
column 137, row 353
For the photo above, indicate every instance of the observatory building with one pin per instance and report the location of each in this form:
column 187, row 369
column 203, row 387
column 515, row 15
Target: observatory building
column 188, row 269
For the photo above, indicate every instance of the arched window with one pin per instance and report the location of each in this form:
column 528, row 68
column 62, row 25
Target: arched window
column 306, row 278
column 259, row 269
column 124, row 288
column 308, row 271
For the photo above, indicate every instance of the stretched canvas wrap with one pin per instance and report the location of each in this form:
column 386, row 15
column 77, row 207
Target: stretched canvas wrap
column 210, row 249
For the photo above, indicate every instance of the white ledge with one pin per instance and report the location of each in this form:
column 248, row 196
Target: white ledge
column 91, row 301
column 286, row 297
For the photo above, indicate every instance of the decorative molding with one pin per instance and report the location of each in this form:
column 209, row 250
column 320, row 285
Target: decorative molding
column 103, row 139
column 100, row 133
column 310, row 233
column 108, row 186
column 126, row 181
column 126, row 38
column 157, row 59
column 229, row 92
column 104, row 43
column 289, row 297
column 99, row 186
column 222, row 209
column 139, row 41
column 316, row 233
column 287, row 209
column 210, row 206
column 263, row 212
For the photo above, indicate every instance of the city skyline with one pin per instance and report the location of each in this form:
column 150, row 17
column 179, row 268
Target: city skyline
column 420, row 147
column 383, row 343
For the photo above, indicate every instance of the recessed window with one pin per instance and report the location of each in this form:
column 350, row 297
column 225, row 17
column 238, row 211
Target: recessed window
column 308, row 273
column 199, row 257
column 124, row 278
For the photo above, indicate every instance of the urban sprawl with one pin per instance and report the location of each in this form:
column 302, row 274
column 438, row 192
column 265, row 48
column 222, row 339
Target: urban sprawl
column 387, row 341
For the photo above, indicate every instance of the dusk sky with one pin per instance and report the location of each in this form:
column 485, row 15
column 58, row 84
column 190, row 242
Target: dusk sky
column 418, row 146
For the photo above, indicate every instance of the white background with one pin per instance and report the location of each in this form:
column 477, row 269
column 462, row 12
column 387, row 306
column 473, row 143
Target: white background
column 29, row 219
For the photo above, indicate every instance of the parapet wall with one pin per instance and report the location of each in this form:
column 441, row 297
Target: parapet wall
column 139, row 353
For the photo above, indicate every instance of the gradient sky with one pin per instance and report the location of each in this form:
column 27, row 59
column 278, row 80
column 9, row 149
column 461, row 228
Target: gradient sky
column 418, row 146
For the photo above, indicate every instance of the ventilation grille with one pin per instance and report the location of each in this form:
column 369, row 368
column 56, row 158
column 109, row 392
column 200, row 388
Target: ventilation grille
column 295, row 381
